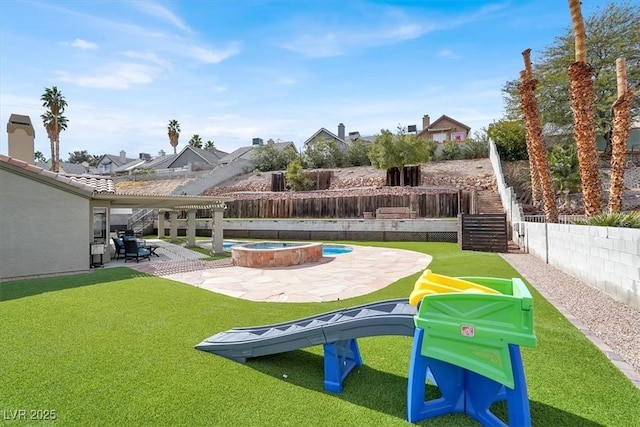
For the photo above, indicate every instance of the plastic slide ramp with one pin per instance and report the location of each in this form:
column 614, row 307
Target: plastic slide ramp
column 390, row 317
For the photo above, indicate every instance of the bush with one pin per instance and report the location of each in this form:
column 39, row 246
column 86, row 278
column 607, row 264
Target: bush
column 475, row 148
column 510, row 139
column 451, row 151
column 296, row 178
column 622, row 220
column 357, row 154
column 431, row 146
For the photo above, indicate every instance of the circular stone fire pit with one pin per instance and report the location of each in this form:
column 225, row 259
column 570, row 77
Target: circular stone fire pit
column 275, row 254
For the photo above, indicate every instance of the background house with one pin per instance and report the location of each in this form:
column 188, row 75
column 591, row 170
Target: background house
column 342, row 139
column 198, row 158
column 443, row 129
column 108, row 163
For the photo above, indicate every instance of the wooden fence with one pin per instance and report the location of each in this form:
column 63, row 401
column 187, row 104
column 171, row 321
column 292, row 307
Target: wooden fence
column 483, row 232
column 412, row 176
column 322, row 180
column 440, row 205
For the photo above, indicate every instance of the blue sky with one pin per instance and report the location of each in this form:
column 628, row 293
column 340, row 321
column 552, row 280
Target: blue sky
column 232, row 70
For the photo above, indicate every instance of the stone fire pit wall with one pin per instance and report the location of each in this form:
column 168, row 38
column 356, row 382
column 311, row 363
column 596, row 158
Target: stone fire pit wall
column 301, row 253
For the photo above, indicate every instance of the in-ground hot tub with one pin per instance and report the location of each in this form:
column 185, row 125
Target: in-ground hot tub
column 275, row 254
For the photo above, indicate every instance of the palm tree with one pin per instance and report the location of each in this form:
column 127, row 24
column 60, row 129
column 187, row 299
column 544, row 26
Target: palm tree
column 582, row 94
column 54, row 122
column 173, row 130
column 210, row 145
column 620, row 136
column 195, row 141
column 535, row 140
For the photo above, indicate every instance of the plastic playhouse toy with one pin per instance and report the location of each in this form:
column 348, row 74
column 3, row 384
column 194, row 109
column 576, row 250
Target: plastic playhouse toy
column 468, row 333
column 431, row 283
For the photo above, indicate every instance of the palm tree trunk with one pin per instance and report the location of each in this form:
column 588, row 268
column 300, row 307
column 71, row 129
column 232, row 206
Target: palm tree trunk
column 621, row 124
column 535, row 141
column 56, row 161
column 582, row 96
column 536, row 191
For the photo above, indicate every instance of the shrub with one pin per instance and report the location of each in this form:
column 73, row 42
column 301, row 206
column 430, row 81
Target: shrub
column 296, row 178
column 622, row 220
column 431, row 146
column 357, row 154
column 510, row 139
column 475, row 148
column 451, row 151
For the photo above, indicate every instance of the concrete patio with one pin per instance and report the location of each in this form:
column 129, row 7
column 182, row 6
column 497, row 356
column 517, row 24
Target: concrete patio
column 360, row 272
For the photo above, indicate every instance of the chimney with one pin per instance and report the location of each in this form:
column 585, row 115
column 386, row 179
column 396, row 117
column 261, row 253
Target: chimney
column 21, row 138
column 161, row 153
column 426, row 121
column 123, row 156
column 341, row 131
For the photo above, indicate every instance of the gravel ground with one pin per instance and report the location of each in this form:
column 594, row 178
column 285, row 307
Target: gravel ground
column 610, row 324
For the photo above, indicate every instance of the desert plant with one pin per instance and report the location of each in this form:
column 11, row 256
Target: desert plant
column 564, row 167
column 475, row 148
column 616, row 219
column 451, row 151
column 518, row 176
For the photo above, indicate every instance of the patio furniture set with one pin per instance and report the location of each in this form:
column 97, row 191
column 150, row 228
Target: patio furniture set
column 131, row 247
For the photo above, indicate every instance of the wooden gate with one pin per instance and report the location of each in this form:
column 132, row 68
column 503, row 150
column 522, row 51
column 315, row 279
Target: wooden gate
column 483, row 232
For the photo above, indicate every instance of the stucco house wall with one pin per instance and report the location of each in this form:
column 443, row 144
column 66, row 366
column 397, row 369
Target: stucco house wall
column 43, row 226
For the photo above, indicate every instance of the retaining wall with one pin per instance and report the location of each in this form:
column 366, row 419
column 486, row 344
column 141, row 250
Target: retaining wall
column 422, row 230
column 605, row 257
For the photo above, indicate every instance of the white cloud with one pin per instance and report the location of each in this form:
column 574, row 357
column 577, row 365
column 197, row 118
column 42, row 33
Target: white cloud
column 211, row 56
column 448, row 53
column 162, row 13
column 83, row 44
column 148, row 57
column 115, row 76
column 339, row 41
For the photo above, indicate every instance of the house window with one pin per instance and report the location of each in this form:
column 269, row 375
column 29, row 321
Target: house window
column 458, row 136
column 99, row 224
column 440, row 137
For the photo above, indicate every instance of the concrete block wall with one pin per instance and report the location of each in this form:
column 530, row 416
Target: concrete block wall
column 605, row 257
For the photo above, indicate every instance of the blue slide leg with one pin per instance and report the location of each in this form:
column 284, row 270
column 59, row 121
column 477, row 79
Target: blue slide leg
column 450, row 380
column 464, row 391
column 339, row 360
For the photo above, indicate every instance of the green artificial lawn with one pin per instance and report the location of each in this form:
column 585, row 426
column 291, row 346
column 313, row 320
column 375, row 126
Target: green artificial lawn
column 116, row 347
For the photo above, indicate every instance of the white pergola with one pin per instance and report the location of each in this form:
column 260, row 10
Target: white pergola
column 174, row 204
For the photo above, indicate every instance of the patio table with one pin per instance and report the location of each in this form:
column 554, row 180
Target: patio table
column 152, row 249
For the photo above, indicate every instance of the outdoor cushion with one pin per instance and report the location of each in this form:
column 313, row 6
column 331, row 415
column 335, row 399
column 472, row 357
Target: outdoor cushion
column 119, row 246
column 133, row 251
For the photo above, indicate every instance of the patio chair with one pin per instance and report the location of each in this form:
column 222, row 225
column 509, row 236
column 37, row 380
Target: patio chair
column 133, row 251
column 119, row 245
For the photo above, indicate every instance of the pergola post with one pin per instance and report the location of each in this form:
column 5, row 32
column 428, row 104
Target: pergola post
column 216, row 232
column 160, row 224
column 191, row 228
column 173, row 235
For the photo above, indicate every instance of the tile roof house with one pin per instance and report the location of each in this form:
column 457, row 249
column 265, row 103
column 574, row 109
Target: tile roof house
column 52, row 221
column 443, row 129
